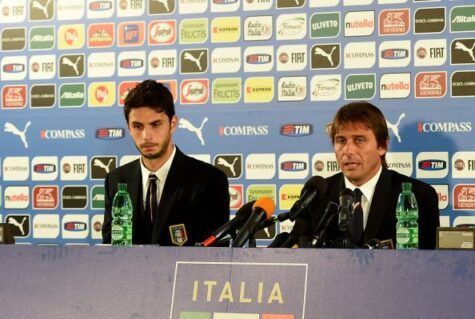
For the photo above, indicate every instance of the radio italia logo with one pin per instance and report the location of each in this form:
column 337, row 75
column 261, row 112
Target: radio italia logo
column 208, row 286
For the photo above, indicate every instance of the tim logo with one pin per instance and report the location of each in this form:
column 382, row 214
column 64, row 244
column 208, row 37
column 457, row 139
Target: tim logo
column 230, row 290
column 100, row 5
column 231, row 165
column 432, row 165
column 296, row 130
column 21, row 224
column 131, row 63
column 293, row 166
column 75, row 226
column 110, row 133
column 13, row 68
column 44, row 168
column 259, row 58
column 394, row 54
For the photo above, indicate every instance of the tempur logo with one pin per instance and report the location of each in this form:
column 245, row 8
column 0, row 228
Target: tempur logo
column 63, row 134
column 244, row 130
column 445, row 127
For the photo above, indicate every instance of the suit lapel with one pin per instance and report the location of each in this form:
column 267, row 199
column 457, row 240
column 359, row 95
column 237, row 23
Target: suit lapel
column 173, row 186
column 134, row 186
column 379, row 204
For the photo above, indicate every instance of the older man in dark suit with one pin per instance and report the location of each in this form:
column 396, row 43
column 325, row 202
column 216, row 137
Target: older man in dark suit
column 360, row 139
column 177, row 200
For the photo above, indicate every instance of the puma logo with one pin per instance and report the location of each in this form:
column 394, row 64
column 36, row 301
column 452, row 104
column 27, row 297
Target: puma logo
column 188, row 56
column 97, row 162
column 43, row 8
column 20, row 225
column 187, row 125
column 222, row 161
column 463, row 47
column 320, row 51
column 164, row 3
column 395, row 127
column 10, row 128
column 74, row 65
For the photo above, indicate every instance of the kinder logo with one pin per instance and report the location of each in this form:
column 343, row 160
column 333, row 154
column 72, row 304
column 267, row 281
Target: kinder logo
column 394, row 53
column 258, row 28
column 124, row 89
column 292, row 88
column 291, row 26
column 326, row 87
column 296, row 130
column 446, row 127
column 443, row 195
column 395, row 86
column 260, row 166
column 464, row 197
column 292, row 57
column 394, row 22
column 45, row 197
column 110, row 133
column 100, row 35
column 430, row 52
column 131, row 33
column 13, row 96
column 293, row 166
column 431, row 84
column 360, row 55
column 226, row 60
column 17, row 197
column 194, row 91
column 162, row 32
column 162, row 62
column 236, row 196
column 359, row 23
column 131, row 63
column 101, row 64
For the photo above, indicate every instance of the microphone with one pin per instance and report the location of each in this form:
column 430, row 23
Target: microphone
column 324, row 224
column 300, row 235
column 242, row 215
column 279, row 240
column 312, row 188
column 262, row 209
column 346, row 200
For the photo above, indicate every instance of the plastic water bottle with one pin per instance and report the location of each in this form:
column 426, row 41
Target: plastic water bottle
column 407, row 212
column 121, row 228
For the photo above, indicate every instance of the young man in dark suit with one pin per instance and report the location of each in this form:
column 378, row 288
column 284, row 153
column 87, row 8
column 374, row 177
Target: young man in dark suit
column 177, row 200
column 360, row 138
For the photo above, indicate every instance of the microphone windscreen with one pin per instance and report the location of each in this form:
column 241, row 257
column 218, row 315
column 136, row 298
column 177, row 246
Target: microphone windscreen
column 266, row 204
column 318, row 183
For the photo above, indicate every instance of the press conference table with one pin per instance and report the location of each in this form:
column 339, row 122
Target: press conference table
column 165, row 282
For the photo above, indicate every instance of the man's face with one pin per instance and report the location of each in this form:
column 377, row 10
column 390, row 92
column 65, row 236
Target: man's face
column 151, row 131
column 357, row 152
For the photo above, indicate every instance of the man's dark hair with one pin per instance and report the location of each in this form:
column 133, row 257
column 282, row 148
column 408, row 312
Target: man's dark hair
column 151, row 94
column 366, row 114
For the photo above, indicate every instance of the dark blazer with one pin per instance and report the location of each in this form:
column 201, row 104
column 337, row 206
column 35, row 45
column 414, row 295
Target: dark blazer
column 195, row 195
column 381, row 222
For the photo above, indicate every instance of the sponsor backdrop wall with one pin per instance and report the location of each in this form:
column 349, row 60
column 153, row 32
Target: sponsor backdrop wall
column 256, row 84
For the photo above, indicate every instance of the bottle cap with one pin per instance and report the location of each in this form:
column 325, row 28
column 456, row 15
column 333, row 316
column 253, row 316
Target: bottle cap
column 122, row 186
column 407, row 186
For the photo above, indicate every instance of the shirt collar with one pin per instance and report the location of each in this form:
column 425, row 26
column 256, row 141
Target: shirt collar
column 367, row 189
column 161, row 173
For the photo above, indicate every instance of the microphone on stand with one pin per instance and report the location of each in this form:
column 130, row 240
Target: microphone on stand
column 314, row 187
column 262, row 209
column 331, row 212
column 229, row 228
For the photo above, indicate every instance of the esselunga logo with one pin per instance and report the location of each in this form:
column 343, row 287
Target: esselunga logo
column 194, row 91
column 259, row 89
column 101, row 94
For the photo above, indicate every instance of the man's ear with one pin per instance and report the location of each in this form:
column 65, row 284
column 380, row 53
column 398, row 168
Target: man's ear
column 173, row 123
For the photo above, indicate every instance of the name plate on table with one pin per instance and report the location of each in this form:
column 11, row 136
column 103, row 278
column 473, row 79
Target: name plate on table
column 456, row 238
